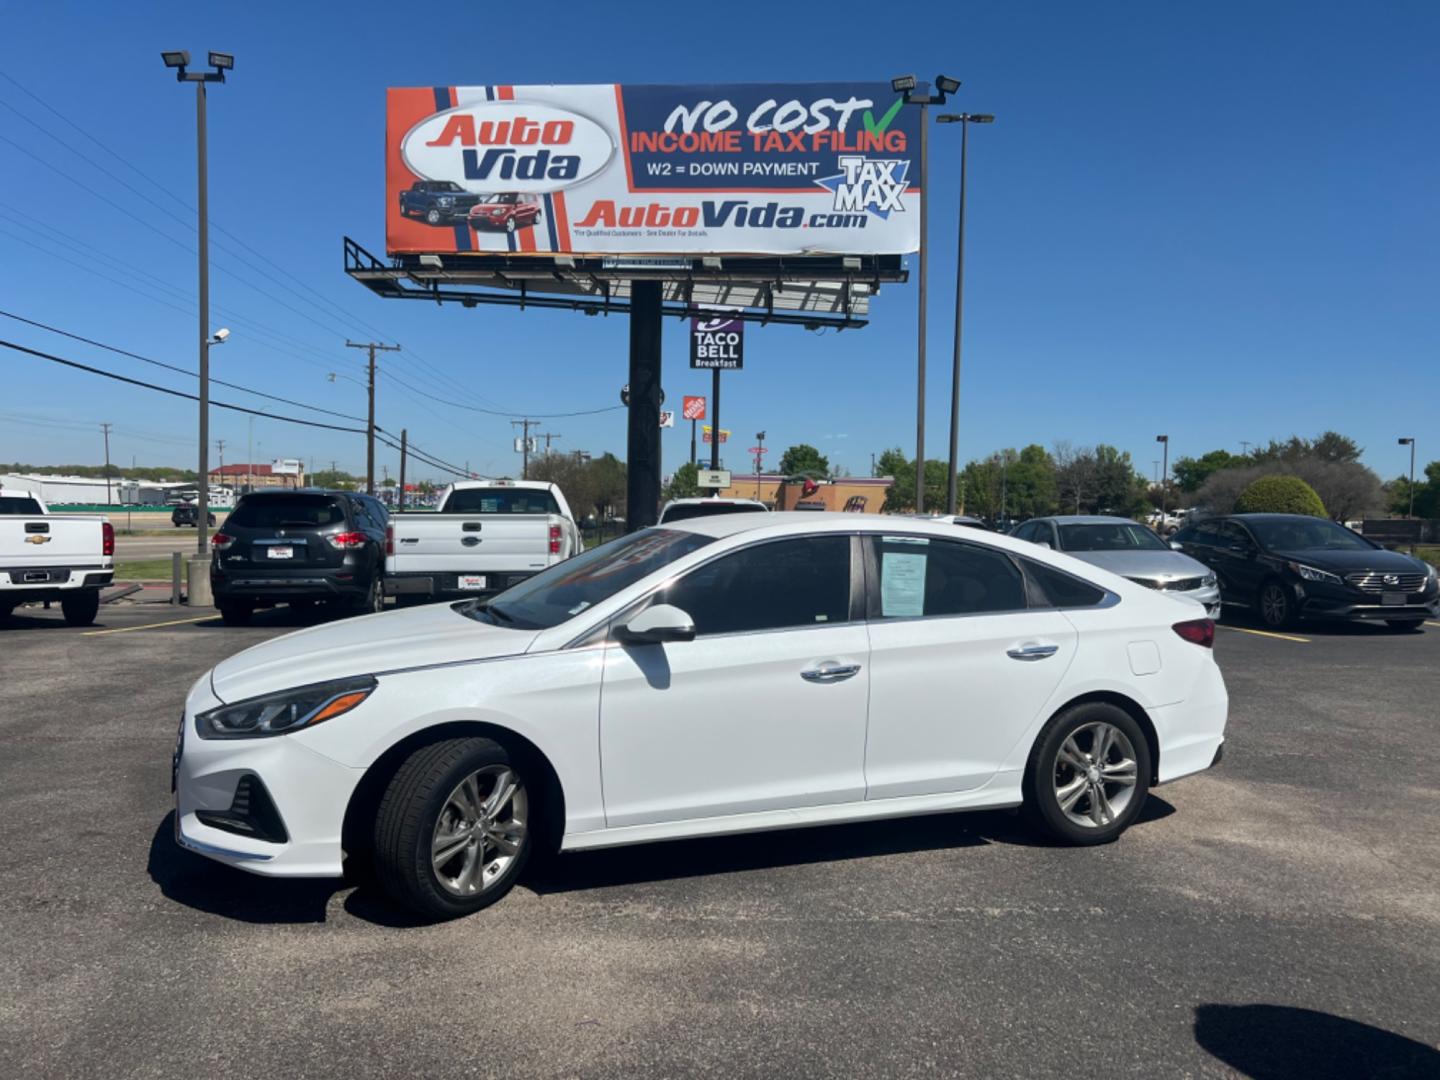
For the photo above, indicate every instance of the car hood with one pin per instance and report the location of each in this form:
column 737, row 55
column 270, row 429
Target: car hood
column 1348, row 562
column 1146, row 564
column 415, row 637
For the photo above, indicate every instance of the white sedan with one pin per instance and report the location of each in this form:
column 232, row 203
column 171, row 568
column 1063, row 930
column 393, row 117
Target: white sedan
column 721, row 675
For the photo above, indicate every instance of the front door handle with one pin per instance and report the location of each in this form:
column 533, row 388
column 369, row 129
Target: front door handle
column 830, row 672
column 1032, row 651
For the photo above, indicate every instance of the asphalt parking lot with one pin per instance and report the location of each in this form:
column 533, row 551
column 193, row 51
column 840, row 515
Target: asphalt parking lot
column 1277, row 917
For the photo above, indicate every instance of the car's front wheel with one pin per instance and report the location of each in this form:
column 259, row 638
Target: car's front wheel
column 1276, row 605
column 1089, row 774
column 453, row 831
column 432, row 216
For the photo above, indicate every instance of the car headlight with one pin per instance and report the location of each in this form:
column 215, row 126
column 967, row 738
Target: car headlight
column 1310, row 573
column 1209, row 581
column 284, row 712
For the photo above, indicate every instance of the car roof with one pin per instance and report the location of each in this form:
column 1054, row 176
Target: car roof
column 703, row 500
column 1089, row 519
column 797, row 522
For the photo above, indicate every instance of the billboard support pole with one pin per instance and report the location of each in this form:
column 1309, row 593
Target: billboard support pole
column 715, row 418
column 920, row 330
column 404, row 452
column 692, row 442
column 643, row 444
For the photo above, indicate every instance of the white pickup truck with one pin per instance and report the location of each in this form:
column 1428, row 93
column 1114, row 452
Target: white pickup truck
column 487, row 536
column 47, row 557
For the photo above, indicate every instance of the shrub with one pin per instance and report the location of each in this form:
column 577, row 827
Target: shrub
column 1280, row 495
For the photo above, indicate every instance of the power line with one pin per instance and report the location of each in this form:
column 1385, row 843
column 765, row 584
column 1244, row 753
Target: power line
column 493, row 412
column 172, row 367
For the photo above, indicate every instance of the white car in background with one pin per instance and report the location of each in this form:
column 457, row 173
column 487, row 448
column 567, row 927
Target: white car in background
column 722, row 675
column 685, row 509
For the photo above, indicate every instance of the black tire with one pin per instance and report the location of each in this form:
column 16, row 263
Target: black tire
column 1275, row 604
column 81, row 609
column 433, row 217
column 406, row 821
column 374, row 598
column 235, row 612
column 6, row 610
column 510, row 225
column 1405, row 624
column 1048, row 769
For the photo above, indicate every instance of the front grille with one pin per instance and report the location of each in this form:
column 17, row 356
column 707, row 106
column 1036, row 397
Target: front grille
column 1185, row 584
column 1373, row 581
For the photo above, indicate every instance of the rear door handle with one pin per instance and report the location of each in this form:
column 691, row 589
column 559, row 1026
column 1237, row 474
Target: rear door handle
column 830, row 672
column 1032, row 651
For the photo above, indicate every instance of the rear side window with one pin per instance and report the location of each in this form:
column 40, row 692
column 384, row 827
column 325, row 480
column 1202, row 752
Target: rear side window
column 786, row 583
column 18, row 504
column 1062, row 590
column 500, row 501
column 277, row 511
column 694, row 510
column 919, row 576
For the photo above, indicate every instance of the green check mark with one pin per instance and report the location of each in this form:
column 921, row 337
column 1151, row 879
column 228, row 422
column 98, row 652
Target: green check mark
column 890, row 114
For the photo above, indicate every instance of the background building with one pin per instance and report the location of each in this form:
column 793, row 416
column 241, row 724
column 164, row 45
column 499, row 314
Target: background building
column 283, row 473
column 857, row 494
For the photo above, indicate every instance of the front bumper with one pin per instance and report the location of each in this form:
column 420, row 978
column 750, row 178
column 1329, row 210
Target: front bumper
column 308, row 790
column 1321, row 600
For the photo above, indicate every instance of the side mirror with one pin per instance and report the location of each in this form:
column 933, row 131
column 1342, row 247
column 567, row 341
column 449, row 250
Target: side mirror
column 1175, row 545
column 655, row 625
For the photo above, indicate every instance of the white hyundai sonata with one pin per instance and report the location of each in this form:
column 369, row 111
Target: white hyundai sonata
column 721, row 675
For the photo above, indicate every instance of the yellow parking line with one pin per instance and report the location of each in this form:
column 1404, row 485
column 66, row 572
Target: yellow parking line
column 147, row 626
column 1267, row 633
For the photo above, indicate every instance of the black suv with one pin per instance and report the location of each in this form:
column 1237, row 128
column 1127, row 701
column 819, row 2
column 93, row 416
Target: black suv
column 1289, row 566
column 300, row 547
column 187, row 514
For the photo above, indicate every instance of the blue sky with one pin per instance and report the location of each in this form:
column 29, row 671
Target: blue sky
column 1217, row 221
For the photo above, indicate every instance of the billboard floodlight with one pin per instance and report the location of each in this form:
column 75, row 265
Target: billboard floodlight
column 176, row 59
column 902, row 84
column 946, row 84
column 222, row 61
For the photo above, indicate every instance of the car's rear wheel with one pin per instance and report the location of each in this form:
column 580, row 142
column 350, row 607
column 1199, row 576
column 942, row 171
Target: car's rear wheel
column 235, row 613
column 80, row 609
column 1275, row 605
column 1089, row 774
column 374, row 598
column 453, row 831
column 1405, row 624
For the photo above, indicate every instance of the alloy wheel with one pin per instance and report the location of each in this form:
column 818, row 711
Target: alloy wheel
column 1094, row 774
column 480, row 831
column 1274, row 605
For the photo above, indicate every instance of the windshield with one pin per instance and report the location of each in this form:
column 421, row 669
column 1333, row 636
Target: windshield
column 1109, row 536
column 494, row 200
column 1307, row 534
column 273, row 511
column 445, row 185
column 501, row 501
column 686, row 511
column 18, row 504
column 568, row 588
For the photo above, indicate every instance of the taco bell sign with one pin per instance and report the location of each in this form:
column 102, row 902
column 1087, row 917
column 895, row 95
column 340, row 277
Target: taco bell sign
column 717, row 343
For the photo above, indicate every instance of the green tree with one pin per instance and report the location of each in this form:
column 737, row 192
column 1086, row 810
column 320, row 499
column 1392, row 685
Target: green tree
column 1191, row 472
column 333, row 478
column 1427, row 493
column 1280, row 495
column 683, row 483
column 804, row 459
column 900, row 498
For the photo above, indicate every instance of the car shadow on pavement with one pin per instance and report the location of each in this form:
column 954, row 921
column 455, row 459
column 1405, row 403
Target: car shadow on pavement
column 1279, row 1042
column 205, row 885
column 673, row 859
column 1245, row 619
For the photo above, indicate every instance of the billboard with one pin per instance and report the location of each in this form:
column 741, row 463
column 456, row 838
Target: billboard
column 747, row 169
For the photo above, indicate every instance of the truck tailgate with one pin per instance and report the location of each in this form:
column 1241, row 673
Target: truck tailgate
column 470, row 543
column 52, row 540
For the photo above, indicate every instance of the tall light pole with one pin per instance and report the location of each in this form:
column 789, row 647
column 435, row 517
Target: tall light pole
column 964, row 120
column 1410, row 442
column 917, row 93
column 220, row 63
column 1164, row 475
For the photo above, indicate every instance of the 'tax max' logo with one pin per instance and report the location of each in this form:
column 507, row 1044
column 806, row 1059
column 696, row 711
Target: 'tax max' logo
column 873, row 184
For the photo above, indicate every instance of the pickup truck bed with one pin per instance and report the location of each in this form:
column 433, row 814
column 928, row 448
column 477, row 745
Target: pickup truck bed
column 46, row 557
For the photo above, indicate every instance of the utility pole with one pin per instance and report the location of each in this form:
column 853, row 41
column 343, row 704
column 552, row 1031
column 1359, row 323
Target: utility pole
column 547, row 436
column 872, row 464
column 759, row 453
column 106, row 429
column 1244, row 447
column 404, row 450
column 1164, row 441
column 372, row 347
column 525, row 426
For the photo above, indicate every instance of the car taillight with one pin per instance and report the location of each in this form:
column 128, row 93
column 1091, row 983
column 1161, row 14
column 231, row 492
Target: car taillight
column 107, row 538
column 554, row 539
column 1197, row 631
column 221, row 541
column 347, row 540
column 389, row 539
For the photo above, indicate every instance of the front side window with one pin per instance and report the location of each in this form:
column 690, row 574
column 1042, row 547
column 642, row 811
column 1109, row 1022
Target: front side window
column 919, row 576
column 770, row 586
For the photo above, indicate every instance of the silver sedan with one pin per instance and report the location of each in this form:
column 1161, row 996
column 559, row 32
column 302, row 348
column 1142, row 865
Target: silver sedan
column 1129, row 549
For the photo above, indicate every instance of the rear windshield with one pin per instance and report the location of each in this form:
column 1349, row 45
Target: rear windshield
column 694, row 510
column 275, row 511
column 18, row 504
column 500, row 501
